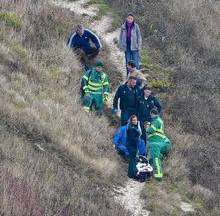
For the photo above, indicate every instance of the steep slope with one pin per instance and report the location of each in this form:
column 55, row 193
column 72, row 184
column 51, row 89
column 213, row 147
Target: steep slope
column 53, row 157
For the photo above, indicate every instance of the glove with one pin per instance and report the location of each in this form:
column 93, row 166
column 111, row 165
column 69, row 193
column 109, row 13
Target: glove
column 106, row 98
column 114, row 111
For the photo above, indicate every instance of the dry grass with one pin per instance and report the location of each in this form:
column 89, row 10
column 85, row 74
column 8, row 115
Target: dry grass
column 55, row 159
column 184, row 35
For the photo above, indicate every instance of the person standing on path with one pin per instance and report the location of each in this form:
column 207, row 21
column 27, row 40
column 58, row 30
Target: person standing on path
column 128, row 94
column 130, row 40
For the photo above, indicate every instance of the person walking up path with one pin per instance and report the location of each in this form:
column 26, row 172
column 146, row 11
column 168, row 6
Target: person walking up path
column 130, row 40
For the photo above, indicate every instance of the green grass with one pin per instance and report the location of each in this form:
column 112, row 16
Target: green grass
column 160, row 78
column 11, row 19
column 102, row 6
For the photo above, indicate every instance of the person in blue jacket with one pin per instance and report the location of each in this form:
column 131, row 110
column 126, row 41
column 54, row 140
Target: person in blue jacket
column 85, row 40
column 120, row 142
column 128, row 143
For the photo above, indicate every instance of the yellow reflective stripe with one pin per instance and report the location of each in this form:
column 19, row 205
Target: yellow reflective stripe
column 93, row 92
column 85, row 87
column 87, row 109
column 94, row 84
column 106, row 83
column 159, row 174
column 85, row 77
column 106, row 93
column 152, row 126
column 94, row 88
column 157, row 134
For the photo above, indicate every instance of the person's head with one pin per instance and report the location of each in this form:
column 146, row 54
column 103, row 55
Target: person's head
column 154, row 113
column 80, row 29
column 99, row 66
column 130, row 18
column 132, row 81
column 147, row 91
column 131, row 66
column 134, row 120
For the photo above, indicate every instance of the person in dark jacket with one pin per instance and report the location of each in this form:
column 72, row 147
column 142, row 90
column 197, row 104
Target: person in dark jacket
column 128, row 94
column 146, row 103
column 130, row 40
column 133, row 136
column 86, row 41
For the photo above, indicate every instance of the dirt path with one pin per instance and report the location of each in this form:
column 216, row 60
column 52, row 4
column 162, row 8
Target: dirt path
column 129, row 195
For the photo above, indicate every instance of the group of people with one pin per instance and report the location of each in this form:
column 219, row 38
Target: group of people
column 142, row 129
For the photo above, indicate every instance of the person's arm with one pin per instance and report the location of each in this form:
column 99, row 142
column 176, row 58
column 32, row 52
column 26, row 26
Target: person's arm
column 139, row 38
column 71, row 43
column 157, row 104
column 117, row 137
column 85, row 80
column 115, row 101
column 152, row 128
column 121, row 39
column 95, row 39
column 106, row 86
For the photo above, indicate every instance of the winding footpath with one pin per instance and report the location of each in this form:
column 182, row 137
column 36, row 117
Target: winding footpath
column 129, row 195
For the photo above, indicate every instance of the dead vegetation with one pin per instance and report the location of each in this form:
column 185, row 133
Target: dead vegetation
column 54, row 159
column 184, row 35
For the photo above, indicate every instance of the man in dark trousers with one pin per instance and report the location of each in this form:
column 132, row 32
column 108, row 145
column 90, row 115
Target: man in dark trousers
column 128, row 94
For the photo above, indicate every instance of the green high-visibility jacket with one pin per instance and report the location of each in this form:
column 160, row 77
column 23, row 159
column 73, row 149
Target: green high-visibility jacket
column 95, row 82
column 156, row 131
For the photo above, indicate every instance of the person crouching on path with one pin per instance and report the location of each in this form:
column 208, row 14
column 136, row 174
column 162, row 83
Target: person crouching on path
column 128, row 95
column 120, row 141
column 133, row 137
column 130, row 40
column 95, row 87
column 159, row 145
column 87, row 41
column 146, row 103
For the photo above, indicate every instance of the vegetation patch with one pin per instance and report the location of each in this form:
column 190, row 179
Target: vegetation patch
column 11, row 19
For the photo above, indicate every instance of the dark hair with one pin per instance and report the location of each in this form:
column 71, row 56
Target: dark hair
column 132, row 64
column 132, row 77
column 132, row 117
column 130, row 14
column 154, row 111
column 146, row 87
column 79, row 27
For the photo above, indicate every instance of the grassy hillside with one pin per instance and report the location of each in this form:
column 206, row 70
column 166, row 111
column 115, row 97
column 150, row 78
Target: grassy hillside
column 54, row 158
column 183, row 36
